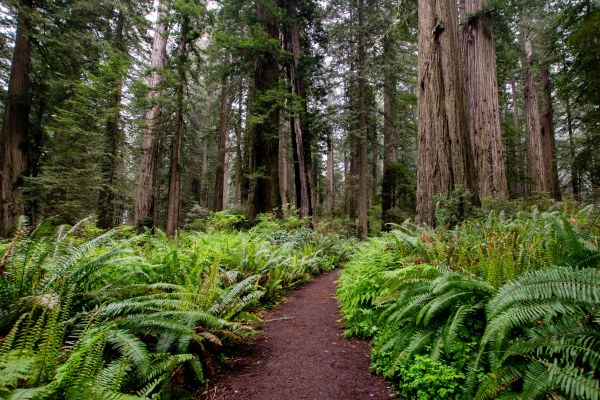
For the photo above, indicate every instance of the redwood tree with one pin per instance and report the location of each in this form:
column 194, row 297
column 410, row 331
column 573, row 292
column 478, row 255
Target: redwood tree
column 146, row 180
column 482, row 98
column 15, row 124
column 444, row 149
column 263, row 194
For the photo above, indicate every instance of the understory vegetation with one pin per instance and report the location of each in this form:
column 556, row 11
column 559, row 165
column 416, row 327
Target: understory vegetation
column 504, row 305
column 114, row 315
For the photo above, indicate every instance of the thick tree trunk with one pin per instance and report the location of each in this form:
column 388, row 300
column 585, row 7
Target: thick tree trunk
column 363, row 192
column 221, row 147
column 109, row 164
column 548, row 141
column 521, row 149
column 15, row 124
column 482, row 100
column 263, row 193
column 174, row 205
column 144, row 203
column 536, row 166
column 444, row 148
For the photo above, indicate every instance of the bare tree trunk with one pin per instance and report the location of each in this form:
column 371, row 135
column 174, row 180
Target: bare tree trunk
column 221, row 147
column 444, row 149
column 535, row 156
column 521, row 150
column 283, row 160
column 204, row 175
column 330, row 175
column 548, row 141
column 144, row 204
column 15, row 124
column 237, row 181
column 390, row 135
column 263, row 193
column 482, row 98
column 226, row 177
column 174, row 206
column 109, row 165
column 574, row 170
column 363, row 193
column 299, row 130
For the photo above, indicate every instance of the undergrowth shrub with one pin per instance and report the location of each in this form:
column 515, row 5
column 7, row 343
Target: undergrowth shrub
column 497, row 306
column 139, row 316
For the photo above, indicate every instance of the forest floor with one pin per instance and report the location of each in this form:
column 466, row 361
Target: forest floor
column 301, row 354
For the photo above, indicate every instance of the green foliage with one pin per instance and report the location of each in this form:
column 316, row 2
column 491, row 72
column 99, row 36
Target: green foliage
column 427, row 379
column 121, row 316
column 450, row 211
column 497, row 306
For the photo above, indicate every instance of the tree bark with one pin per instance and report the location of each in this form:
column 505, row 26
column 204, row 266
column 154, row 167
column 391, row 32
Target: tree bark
column 237, row 181
column 390, row 135
column 109, row 165
column 330, row 173
column 482, row 100
column 575, row 185
column 363, row 192
column 536, row 166
column 444, row 148
column 283, row 160
column 174, row 204
column 548, row 141
column 264, row 194
column 221, row 147
column 15, row 124
column 146, row 181
column 299, row 129
column 204, row 175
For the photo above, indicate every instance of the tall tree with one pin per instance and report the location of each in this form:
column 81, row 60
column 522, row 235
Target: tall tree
column 482, row 98
column 221, row 145
column 144, row 203
column 15, row 123
column 363, row 192
column 263, row 195
column 299, row 127
column 548, row 140
column 444, row 149
column 536, row 165
column 114, row 138
column 174, row 205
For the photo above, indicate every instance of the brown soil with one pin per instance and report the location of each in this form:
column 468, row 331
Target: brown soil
column 301, row 355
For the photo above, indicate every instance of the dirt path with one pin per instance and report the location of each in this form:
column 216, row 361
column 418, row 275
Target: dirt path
column 301, row 355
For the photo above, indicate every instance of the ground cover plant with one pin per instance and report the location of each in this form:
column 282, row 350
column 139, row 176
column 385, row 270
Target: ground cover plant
column 92, row 314
column 498, row 306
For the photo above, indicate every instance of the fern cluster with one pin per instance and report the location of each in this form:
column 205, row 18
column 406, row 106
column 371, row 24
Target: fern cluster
column 122, row 316
column 471, row 327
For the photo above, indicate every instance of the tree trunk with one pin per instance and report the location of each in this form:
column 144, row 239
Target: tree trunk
column 363, row 192
column 482, row 99
column 283, row 160
column 536, row 166
column 174, row 205
column 299, row 129
column 221, row 147
column 204, row 175
column 237, row 181
column 444, row 148
column 144, row 203
column 572, row 161
column 390, row 136
column 109, row 165
column 263, row 193
column 330, row 174
column 548, row 141
column 15, row 124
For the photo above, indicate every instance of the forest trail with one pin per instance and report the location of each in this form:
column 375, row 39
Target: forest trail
column 301, row 355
